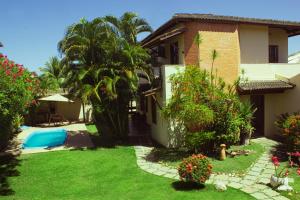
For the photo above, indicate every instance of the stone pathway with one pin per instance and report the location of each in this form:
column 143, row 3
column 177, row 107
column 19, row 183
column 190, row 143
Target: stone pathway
column 253, row 183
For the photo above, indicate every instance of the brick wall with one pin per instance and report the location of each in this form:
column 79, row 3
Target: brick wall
column 222, row 37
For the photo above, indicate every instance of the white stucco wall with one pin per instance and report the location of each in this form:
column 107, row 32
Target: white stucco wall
column 276, row 104
column 279, row 37
column 254, row 44
column 160, row 130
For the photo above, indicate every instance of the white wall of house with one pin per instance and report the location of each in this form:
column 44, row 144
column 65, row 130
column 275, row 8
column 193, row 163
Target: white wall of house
column 276, row 104
column 255, row 41
column 161, row 129
column 279, row 37
column 254, row 44
column 294, row 58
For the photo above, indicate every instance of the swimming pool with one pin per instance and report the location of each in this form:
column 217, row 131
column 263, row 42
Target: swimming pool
column 45, row 138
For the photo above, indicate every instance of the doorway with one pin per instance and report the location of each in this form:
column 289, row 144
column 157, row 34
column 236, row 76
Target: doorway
column 258, row 102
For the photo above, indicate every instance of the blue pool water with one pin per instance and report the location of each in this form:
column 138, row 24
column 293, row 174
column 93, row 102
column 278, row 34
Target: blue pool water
column 45, row 138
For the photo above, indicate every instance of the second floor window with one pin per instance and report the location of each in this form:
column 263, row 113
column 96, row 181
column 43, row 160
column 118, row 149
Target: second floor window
column 174, row 55
column 273, row 54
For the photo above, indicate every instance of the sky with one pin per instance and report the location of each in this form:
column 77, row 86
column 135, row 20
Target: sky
column 31, row 29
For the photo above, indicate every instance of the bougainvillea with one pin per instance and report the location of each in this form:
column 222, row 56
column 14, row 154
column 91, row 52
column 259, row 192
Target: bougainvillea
column 195, row 168
column 289, row 126
column 18, row 87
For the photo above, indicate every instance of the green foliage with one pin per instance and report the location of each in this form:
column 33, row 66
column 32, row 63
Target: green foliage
column 195, row 168
column 210, row 110
column 100, row 59
column 17, row 90
column 289, row 126
column 52, row 75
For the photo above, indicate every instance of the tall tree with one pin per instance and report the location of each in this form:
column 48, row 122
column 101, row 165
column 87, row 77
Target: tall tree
column 51, row 77
column 129, row 25
column 100, row 66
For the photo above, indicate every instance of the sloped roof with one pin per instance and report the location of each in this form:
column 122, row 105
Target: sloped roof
column 264, row 86
column 292, row 27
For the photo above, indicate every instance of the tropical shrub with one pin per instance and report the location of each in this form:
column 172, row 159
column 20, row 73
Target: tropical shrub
column 289, row 126
column 209, row 110
column 195, row 168
column 17, row 89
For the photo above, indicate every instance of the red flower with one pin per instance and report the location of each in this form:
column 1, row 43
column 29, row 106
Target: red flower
column 298, row 171
column 275, row 160
column 189, row 168
column 286, row 173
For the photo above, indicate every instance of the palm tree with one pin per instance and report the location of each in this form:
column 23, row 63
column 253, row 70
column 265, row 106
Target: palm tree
column 129, row 25
column 100, row 66
column 52, row 74
column 52, row 68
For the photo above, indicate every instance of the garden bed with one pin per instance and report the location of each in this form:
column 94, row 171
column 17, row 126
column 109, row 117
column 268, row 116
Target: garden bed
column 237, row 165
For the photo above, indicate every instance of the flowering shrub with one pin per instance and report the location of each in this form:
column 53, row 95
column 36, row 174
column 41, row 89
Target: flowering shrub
column 283, row 172
column 17, row 89
column 195, row 168
column 289, row 126
column 208, row 109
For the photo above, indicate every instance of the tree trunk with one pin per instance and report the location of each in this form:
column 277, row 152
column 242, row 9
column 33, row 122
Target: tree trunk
column 83, row 110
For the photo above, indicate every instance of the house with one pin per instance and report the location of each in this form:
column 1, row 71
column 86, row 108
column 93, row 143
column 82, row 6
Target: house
column 259, row 47
column 294, row 58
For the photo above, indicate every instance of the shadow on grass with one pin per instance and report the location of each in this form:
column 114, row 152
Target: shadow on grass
column 281, row 151
column 167, row 155
column 187, row 186
column 8, row 168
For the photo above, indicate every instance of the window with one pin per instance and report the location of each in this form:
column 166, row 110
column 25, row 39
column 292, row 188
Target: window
column 174, row 56
column 153, row 110
column 273, row 54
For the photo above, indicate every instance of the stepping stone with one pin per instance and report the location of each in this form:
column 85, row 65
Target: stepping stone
column 259, row 195
column 260, row 186
column 270, row 192
column 257, row 169
column 264, row 180
column 235, row 185
column 247, row 182
column 249, row 189
column 280, row 198
column 253, row 173
column 234, row 179
column 249, row 177
column 221, row 177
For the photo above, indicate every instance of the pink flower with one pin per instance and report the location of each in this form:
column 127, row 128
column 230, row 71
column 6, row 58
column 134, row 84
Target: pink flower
column 275, row 160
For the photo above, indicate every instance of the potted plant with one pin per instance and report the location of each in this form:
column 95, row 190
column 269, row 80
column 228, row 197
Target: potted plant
column 246, row 129
column 280, row 180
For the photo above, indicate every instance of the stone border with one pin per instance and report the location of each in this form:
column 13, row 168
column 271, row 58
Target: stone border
column 253, row 183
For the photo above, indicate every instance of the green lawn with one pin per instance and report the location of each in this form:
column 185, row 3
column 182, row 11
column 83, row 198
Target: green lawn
column 99, row 174
column 237, row 164
column 295, row 195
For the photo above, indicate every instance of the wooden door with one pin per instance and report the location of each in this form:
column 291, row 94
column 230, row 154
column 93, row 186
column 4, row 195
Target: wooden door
column 258, row 102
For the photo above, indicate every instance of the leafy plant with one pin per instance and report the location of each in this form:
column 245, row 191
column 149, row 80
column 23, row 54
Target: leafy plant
column 18, row 88
column 209, row 110
column 195, row 168
column 289, row 126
